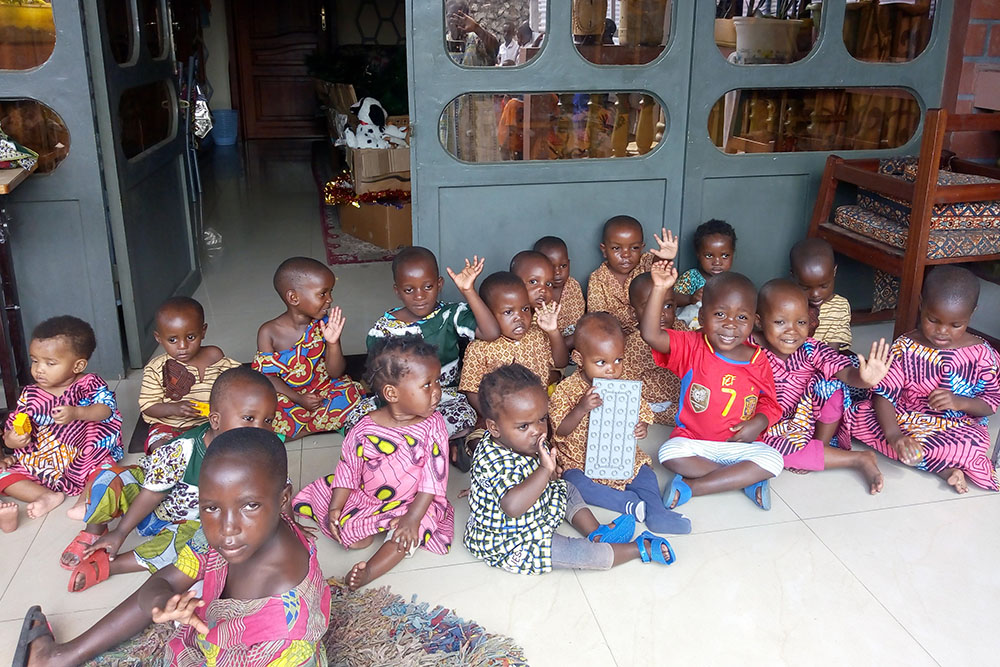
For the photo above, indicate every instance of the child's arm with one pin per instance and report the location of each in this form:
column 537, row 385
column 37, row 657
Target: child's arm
column 407, row 527
column 749, row 430
column 486, row 325
column 15, row 440
column 590, row 400
column 141, row 507
column 334, row 355
column 664, row 276
column 64, row 414
column 180, row 608
column 335, row 509
column 548, row 321
column 909, row 450
column 520, row 498
column 151, row 399
column 871, row 371
column 681, row 299
column 944, row 399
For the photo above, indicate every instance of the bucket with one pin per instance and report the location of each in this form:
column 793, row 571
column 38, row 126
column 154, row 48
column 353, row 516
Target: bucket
column 766, row 40
column 226, row 125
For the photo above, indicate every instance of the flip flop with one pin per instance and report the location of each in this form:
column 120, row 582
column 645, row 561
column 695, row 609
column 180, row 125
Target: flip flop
column 765, row 494
column 677, row 486
column 29, row 633
column 655, row 550
column 76, row 548
column 95, row 569
column 621, row 533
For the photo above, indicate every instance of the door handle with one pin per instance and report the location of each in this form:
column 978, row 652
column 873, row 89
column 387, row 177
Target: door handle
column 322, row 18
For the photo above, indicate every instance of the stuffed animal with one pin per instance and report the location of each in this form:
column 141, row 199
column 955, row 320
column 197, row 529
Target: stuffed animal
column 372, row 130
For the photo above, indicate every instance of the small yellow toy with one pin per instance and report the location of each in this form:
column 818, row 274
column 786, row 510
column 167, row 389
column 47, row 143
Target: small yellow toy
column 201, row 407
column 22, row 424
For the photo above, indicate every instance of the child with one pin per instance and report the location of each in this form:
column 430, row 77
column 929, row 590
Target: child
column 808, row 376
column 300, row 352
column 264, row 598
column 931, row 410
column 174, row 382
column 536, row 272
column 417, row 283
column 517, row 499
column 566, row 289
column 73, row 422
column 600, row 348
column 537, row 345
column 392, row 478
column 814, row 269
column 159, row 497
column 715, row 246
column 660, row 388
column 727, row 392
column 621, row 246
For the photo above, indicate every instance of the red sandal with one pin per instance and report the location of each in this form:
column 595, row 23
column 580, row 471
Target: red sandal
column 76, row 548
column 95, row 568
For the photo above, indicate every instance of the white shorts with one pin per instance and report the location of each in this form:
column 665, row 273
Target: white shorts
column 724, row 453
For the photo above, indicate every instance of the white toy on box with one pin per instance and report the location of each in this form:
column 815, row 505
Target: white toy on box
column 372, row 130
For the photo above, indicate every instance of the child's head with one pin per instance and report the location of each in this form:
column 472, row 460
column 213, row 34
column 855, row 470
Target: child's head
column 416, row 280
column 622, row 244
column 516, row 407
column 947, row 301
column 179, row 327
column 505, row 295
column 242, row 397
column 638, row 296
column 814, row 269
column 600, row 346
column 59, row 350
column 536, row 272
column 782, row 315
column 728, row 310
column 404, row 371
column 242, row 489
column 524, row 34
column 715, row 245
column 305, row 285
column 555, row 249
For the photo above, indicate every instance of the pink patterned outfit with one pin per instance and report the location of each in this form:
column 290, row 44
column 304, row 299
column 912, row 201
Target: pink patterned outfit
column 385, row 468
column 951, row 439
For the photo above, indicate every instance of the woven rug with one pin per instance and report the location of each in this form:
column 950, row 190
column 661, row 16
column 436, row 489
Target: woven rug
column 342, row 248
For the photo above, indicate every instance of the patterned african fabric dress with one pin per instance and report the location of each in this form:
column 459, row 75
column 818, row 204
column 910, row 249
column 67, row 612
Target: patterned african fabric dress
column 690, row 282
column 951, row 439
column 606, row 294
column 303, row 369
column 62, row 456
column 572, row 306
column 385, row 468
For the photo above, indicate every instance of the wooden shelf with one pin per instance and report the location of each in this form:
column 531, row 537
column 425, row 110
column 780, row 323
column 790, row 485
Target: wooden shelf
column 11, row 178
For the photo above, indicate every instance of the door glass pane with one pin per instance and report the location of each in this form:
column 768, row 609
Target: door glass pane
column 480, row 127
column 621, row 32
column 152, row 27
column 888, row 31
column 27, row 33
column 813, row 119
column 36, row 126
column 491, row 34
column 147, row 117
column 118, row 17
column 766, row 32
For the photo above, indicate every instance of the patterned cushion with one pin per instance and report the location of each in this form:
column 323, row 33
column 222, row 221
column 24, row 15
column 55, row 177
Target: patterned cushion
column 941, row 244
column 895, row 166
column 949, row 177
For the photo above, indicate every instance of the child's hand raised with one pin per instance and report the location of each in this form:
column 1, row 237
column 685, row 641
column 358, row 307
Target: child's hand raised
column 548, row 316
column 64, row 414
column 664, row 274
column 667, row 243
column 466, row 280
column 334, row 325
column 181, row 608
column 590, row 400
column 874, row 369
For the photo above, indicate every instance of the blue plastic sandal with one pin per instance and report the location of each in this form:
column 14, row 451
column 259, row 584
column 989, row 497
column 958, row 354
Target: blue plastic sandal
column 765, row 494
column 677, row 486
column 655, row 550
column 622, row 532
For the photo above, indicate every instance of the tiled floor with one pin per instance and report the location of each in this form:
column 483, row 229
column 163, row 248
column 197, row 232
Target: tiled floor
column 830, row 575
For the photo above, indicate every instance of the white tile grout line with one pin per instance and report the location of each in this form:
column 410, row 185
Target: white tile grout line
column 604, row 637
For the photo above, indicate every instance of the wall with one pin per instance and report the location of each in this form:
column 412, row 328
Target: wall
column 217, row 62
column 974, row 63
column 492, row 14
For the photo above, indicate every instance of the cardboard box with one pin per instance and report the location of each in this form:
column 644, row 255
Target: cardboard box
column 386, row 226
column 375, row 170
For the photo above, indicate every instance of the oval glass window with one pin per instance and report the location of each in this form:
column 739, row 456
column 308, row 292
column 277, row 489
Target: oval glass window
column 813, row 119
column 147, row 117
column 38, row 127
column 152, row 27
column 766, row 32
column 27, row 33
column 888, row 32
column 551, row 126
column 493, row 34
column 621, row 32
column 118, row 20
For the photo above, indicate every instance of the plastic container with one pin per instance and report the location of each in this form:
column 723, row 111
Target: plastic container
column 225, row 128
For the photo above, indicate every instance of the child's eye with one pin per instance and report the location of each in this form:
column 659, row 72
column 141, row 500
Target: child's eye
column 508, row 311
column 742, row 317
column 209, row 508
column 252, row 506
column 802, row 323
column 522, row 427
column 668, row 306
column 191, row 336
column 532, row 282
column 725, row 255
column 599, row 362
column 548, row 284
column 268, row 420
column 172, row 339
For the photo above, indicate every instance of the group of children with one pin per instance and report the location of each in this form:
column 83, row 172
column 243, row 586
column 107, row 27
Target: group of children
column 753, row 382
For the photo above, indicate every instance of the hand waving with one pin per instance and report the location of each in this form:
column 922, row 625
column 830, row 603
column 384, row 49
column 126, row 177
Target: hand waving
column 466, row 280
column 874, row 369
column 667, row 243
column 548, row 316
column 334, row 325
column 664, row 274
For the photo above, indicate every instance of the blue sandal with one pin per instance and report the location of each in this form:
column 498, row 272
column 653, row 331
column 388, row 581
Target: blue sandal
column 765, row 494
column 621, row 533
column 655, row 550
column 678, row 487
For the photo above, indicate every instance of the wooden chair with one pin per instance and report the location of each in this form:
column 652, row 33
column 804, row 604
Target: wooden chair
column 908, row 259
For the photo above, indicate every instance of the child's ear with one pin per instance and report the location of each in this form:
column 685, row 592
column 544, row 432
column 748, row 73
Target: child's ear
column 156, row 337
column 292, row 297
column 286, row 498
column 756, row 322
column 491, row 426
column 214, row 419
column 204, row 329
column 575, row 357
column 390, row 393
column 440, row 282
column 79, row 366
column 604, row 251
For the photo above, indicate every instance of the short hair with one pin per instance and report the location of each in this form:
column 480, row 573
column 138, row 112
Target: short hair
column 597, row 323
column 772, row 288
column 388, row 357
column 620, row 221
column 176, row 303
column 951, row 284
column 525, row 30
column 293, row 270
column 728, row 282
column 495, row 282
column 504, row 381
column 77, row 333
column 250, row 446
column 809, row 250
column 240, row 378
column 547, row 243
column 711, row 228
column 413, row 253
column 527, row 255
column 643, row 281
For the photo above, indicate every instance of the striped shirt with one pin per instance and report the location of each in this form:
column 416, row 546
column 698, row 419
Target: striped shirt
column 158, row 388
column 835, row 323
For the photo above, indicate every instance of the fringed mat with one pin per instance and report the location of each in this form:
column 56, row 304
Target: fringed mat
column 342, row 248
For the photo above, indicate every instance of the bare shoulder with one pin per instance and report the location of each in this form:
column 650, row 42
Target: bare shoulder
column 266, row 335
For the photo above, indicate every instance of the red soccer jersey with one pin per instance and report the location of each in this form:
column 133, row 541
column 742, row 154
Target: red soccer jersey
column 717, row 392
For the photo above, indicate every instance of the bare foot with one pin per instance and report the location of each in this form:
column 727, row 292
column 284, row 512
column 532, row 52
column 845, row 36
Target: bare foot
column 868, row 465
column 798, row 471
column 40, row 650
column 358, row 576
column 78, row 511
column 8, row 517
column 955, row 478
column 45, row 504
